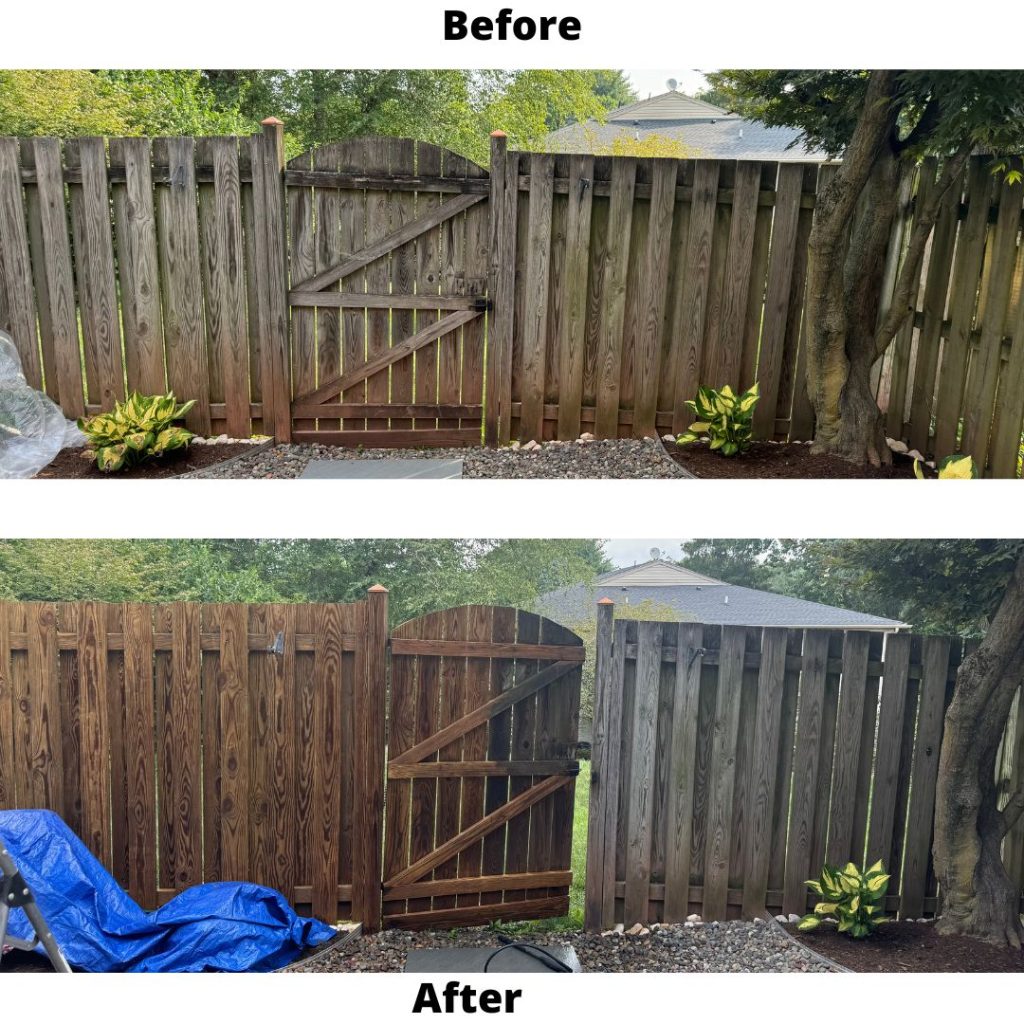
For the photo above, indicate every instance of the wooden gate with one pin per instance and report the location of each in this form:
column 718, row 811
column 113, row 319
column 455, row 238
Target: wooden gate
column 388, row 252
column 481, row 771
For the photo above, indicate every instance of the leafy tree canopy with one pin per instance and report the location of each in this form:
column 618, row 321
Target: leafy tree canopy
column 453, row 108
column 422, row 575
column 77, row 102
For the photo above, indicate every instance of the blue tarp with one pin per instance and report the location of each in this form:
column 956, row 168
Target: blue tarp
column 220, row 926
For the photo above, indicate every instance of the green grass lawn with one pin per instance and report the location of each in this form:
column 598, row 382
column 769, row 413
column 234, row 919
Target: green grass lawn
column 574, row 919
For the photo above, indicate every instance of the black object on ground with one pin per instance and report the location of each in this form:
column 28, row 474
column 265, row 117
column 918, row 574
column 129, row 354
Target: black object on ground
column 511, row 958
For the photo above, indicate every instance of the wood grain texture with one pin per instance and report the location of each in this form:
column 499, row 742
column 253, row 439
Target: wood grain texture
column 983, row 374
column 535, row 325
column 140, row 750
column 17, row 295
column 225, row 286
column 727, row 355
column 935, row 652
column 59, row 300
column 690, row 320
column 653, row 298
column 764, row 781
column 185, row 341
column 94, row 264
column 611, row 330
column 138, row 266
column 967, row 269
column 95, row 726
column 723, row 772
column 571, row 340
column 679, row 820
column 805, row 781
column 776, row 304
column 847, row 749
column 890, row 723
column 933, row 308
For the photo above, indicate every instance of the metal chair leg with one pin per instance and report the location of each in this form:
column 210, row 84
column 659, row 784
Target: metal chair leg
column 14, row 892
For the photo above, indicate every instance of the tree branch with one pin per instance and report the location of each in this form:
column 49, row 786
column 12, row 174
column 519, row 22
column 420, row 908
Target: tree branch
column 924, row 220
column 925, row 123
column 1010, row 814
column 837, row 203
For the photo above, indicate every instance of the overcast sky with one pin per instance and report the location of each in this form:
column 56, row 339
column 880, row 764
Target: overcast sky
column 650, row 83
column 628, row 552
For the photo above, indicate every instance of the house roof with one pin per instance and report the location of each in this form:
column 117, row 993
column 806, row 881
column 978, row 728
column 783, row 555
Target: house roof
column 696, row 598
column 671, row 106
column 705, row 130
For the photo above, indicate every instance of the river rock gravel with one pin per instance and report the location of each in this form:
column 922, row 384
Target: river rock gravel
column 624, row 459
column 734, row 946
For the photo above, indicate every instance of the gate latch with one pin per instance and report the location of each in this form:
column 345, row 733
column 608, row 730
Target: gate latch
column 482, row 304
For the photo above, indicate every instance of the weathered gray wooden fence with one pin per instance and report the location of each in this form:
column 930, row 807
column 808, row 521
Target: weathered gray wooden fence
column 730, row 763
column 387, row 291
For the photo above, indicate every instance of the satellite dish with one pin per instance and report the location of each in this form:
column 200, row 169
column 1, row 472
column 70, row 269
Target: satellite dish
column 655, row 553
column 672, row 84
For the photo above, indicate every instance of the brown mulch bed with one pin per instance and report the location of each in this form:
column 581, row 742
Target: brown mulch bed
column 70, row 465
column 910, row 946
column 766, row 460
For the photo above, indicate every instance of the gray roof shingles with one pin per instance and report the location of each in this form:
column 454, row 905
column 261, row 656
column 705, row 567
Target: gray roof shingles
column 728, row 138
column 745, row 607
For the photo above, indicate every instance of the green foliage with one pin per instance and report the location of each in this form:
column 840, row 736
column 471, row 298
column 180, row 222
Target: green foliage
column 653, row 144
column 66, row 103
column 855, row 898
column 422, row 575
column 455, row 108
column 952, row 467
column 137, row 429
column 724, row 417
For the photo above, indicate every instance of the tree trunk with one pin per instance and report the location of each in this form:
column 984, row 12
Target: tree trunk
column 979, row 898
column 846, row 254
column 850, row 422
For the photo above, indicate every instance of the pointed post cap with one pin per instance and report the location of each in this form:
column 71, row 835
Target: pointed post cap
column 267, row 121
column 606, row 600
column 378, row 588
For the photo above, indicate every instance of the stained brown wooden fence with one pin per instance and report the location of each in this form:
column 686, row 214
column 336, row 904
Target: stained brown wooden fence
column 390, row 292
column 481, row 768
column 730, row 763
column 187, row 743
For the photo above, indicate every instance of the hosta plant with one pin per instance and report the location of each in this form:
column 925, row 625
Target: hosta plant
column 140, row 428
column 952, row 467
column 723, row 417
column 855, row 898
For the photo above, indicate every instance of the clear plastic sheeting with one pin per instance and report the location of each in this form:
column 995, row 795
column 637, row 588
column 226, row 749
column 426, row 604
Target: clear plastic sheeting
column 32, row 427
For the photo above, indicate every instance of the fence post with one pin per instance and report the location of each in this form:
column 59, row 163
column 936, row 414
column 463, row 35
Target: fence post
column 597, row 845
column 370, row 766
column 272, row 278
column 501, row 287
